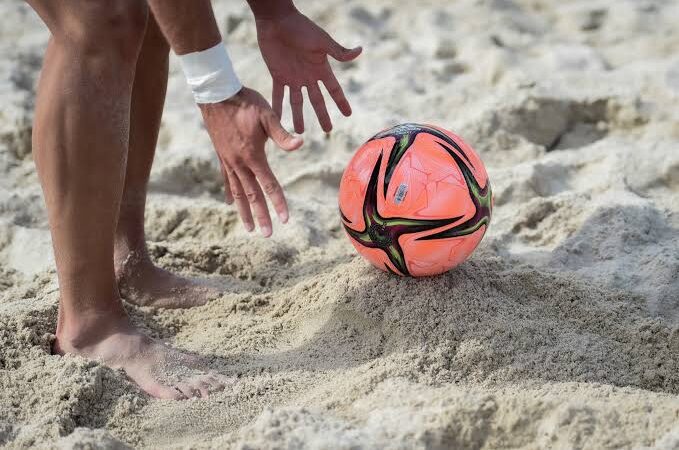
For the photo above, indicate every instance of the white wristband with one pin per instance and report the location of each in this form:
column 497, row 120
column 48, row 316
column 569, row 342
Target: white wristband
column 210, row 74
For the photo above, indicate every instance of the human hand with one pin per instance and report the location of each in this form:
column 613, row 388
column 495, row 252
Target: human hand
column 239, row 127
column 296, row 51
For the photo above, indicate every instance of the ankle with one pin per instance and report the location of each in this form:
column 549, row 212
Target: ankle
column 129, row 239
column 127, row 258
column 81, row 330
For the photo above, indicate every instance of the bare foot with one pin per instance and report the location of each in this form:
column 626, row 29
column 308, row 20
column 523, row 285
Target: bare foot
column 144, row 284
column 158, row 369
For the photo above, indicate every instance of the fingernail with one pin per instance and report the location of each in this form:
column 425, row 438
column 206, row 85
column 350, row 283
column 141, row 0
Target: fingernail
column 284, row 217
column 266, row 230
column 249, row 227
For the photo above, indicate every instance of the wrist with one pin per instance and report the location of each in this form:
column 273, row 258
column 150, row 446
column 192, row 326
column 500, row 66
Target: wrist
column 271, row 9
column 210, row 74
column 228, row 106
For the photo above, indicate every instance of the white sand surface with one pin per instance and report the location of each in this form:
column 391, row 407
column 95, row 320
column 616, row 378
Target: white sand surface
column 561, row 331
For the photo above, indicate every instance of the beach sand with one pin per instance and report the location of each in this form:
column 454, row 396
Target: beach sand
column 561, row 331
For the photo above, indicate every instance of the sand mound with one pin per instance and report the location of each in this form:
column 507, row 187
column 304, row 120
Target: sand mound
column 562, row 331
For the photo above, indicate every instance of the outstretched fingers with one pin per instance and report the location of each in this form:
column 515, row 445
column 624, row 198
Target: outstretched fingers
column 251, row 178
column 273, row 128
column 272, row 188
column 318, row 103
column 255, row 197
column 228, row 196
column 341, row 53
column 277, row 98
column 296, row 102
column 336, row 92
column 241, row 200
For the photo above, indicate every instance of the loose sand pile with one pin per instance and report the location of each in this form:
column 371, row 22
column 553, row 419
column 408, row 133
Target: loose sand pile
column 562, row 331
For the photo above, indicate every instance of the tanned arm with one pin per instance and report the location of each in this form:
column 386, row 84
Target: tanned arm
column 189, row 26
column 296, row 52
column 239, row 126
column 271, row 9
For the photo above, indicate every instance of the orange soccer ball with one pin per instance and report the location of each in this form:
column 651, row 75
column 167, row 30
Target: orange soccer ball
column 415, row 200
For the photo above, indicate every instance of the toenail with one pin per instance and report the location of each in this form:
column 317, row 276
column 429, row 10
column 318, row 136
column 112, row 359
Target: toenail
column 179, row 391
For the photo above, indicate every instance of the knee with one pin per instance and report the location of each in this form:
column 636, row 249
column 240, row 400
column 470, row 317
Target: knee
column 107, row 29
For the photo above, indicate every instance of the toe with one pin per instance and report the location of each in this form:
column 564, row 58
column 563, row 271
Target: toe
column 188, row 390
column 204, row 388
column 161, row 391
column 215, row 383
column 155, row 388
column 170, row 393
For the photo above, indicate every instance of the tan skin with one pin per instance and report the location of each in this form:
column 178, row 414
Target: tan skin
column 300, row 60
column 97, row 117
column 139, row 280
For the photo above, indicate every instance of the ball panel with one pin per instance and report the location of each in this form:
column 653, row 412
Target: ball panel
column 375, row 256
column 354, row 182
column 433, row 184
column 479, row 169
column 426, row 258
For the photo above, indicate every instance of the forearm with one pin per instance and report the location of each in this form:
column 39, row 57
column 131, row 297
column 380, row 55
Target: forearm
column 191, row 30
column 188, row 25
column 271, row 9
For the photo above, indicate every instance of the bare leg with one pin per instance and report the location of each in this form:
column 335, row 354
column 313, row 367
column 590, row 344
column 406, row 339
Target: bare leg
column 80, row 141
column 139, row 280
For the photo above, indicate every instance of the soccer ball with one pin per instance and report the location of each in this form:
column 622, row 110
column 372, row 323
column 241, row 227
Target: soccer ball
column 415, row 200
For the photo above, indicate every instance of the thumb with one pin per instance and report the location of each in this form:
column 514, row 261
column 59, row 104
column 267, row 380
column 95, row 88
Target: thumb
column 341, row 53
column 279, row 135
